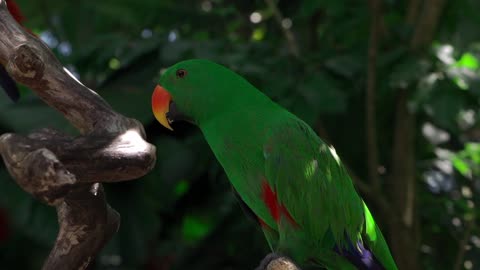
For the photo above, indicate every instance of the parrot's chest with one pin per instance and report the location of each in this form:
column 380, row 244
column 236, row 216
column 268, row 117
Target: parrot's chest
column 242, row 156
column 244, row 165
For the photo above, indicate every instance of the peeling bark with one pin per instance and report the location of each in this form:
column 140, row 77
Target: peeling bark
column 63, row 171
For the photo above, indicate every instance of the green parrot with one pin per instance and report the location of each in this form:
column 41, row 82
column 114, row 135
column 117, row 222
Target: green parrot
column 292, row 181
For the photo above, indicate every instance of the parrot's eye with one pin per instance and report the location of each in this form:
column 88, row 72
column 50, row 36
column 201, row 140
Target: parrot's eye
column 181, row 73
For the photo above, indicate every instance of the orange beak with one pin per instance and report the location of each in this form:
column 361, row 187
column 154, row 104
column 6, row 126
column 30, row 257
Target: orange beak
column 160, row 105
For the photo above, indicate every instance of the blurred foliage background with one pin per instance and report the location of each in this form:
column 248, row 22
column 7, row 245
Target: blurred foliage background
column 416, row 165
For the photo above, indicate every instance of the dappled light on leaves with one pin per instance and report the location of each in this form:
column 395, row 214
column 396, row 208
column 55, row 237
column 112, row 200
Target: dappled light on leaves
column 287, row 23
column 445, row 54
column 172, row 36
column 114, row 63
column 146, row 33
column 438, row 181
column 206, row 6
column 65, row 48
column 256, row 17
column 195, row 228
column 468, row 60
column 435, row 135
column 468, row 264
column 258, row 34
column 49, row 39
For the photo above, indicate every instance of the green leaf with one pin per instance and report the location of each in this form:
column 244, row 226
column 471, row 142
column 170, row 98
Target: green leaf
column 258, row 34
column 467, row 60
column 181, row 188
column 195, row 228
column 461, row 166
column 473, row 150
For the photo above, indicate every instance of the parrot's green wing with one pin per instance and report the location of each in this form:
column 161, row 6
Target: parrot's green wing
column 323, row 212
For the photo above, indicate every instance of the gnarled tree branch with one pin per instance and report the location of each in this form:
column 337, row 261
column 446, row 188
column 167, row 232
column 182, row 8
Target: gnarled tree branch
column 64, row 171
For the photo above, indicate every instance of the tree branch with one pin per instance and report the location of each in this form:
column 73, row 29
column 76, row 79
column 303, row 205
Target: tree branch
column 402, row 183
column 426, row 26
column 371, row 127
column 29, row 61
column 412, row 11
column 64, row 171
column 274, row 261
column 469, row 226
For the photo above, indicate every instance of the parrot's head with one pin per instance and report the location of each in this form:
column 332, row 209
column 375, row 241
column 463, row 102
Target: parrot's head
column 198, row 91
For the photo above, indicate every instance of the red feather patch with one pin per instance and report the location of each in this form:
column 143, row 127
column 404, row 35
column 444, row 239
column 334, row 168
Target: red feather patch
column 276, row 209
column 270, row 200
column 15, row 11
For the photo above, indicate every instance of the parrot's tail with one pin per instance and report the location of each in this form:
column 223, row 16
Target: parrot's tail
column 359, row 256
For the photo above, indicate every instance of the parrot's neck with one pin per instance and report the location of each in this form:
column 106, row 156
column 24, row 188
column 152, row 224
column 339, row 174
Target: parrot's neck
column 238, row 121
